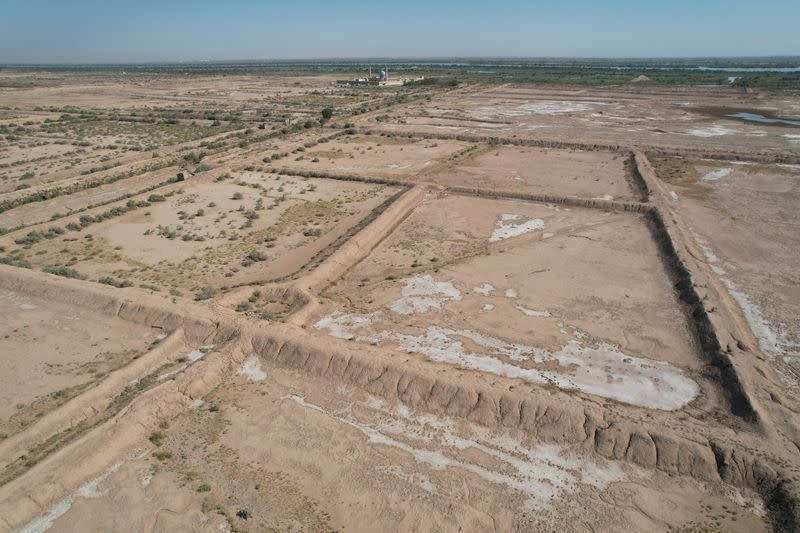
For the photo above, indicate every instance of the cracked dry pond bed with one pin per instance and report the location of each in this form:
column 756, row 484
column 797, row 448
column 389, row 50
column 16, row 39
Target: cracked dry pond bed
column 566, row 297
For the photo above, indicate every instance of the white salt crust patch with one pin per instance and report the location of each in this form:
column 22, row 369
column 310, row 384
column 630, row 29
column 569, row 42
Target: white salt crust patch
column 533, row 312
column 197, row 402
column 717, row 174
column 252, row 369
column 193, row 356
column 673, row 195
column 341, row 325
column 511, row 293
column 486, row 289
column 505, row 228
column 602, row 370
column 196, row 355
column 543, row 107
column 712, row 131
column 90, row 489
column 771, row 342
column 421, row 294
column 542, row 473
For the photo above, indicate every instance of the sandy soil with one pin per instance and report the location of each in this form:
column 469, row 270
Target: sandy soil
column 342, row 460
column 505, row 286
column 675, row 119
column 377, row 157
column 203, row 234
column 581, row 174
column 255, row 350
column 51, row 352
column 745, row 220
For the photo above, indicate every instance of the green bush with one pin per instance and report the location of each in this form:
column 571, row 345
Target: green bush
column 65, row 272
column 157, row 437
column 108, row 280
column 204, row 294
column 15, row 262
column 256, row 255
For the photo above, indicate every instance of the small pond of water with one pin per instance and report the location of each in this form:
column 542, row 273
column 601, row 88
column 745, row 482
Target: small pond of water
column 761, row 119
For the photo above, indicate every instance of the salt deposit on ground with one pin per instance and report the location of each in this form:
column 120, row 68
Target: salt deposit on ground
column 505, row 229
column 533, row 312
column 196, row 355
column 601, row 370
column 717, row 174
column 421, row 294
column 673, row 195
column 543, row 472
column 712, row 131
column 341, row 325
column 87, row 490
column 768, row 338
column 511, row 293
column 545, row 107
column 753, row 505
column 252, row 369
column 192, row 357
column 486, row 289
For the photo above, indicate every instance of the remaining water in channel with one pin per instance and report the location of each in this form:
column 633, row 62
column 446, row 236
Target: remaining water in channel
column 754, row 117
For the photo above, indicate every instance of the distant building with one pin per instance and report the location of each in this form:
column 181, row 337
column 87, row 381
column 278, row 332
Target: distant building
column 382, row 79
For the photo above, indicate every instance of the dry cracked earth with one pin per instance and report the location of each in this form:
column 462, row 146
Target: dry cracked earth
column 482, row 308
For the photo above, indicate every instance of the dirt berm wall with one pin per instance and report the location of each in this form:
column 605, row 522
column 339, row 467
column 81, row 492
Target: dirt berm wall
column 590, row 203
column 548, row 419
column 765, row 158
column 635, row 177
column 199, row 325
column 704, row 331
column 534, row 143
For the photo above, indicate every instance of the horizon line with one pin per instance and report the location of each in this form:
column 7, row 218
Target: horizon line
column 399, row 58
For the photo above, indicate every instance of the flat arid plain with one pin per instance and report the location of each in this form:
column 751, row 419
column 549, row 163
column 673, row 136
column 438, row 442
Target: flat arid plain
column 265, row 302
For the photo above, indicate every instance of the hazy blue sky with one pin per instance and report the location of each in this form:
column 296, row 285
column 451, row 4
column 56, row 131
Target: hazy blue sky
column 181, row 30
